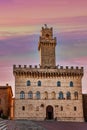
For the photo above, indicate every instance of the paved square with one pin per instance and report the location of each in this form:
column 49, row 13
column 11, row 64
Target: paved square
column 45, row 125
column 55, row 125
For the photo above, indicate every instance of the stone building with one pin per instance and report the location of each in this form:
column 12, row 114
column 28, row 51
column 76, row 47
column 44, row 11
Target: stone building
column 48, row 91
column 5, row 100
column 85, row 106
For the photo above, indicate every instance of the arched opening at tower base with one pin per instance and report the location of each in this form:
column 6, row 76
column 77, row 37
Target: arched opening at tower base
column 49, row 112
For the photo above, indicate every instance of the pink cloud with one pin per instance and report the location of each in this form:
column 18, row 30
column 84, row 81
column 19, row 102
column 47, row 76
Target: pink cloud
column 42, row 9
column 5, row 1
column 72, row 21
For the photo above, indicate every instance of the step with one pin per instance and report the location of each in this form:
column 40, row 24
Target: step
column 4, row 127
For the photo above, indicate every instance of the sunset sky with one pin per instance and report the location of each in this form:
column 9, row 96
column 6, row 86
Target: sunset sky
column 20, row 26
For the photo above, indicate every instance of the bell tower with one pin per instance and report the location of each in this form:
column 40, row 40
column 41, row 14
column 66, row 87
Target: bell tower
column 46, row 46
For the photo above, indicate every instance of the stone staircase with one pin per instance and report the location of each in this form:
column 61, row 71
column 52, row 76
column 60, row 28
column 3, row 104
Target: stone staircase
column 3, row 124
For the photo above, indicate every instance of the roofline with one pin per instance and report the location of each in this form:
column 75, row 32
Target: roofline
column 6, row 87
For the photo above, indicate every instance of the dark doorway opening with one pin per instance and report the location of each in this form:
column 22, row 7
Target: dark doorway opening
column 49, row 112
column 1, row 113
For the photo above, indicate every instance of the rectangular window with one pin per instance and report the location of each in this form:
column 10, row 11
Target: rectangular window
column 75, row 108
column 23, row 108
column 61, row 108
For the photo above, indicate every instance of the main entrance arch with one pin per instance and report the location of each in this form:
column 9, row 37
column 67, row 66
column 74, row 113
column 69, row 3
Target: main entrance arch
column 49, row 112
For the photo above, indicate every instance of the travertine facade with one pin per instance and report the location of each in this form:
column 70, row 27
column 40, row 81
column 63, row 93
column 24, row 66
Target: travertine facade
column 48, row 91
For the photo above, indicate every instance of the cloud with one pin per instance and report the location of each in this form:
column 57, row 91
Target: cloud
column 19, row 50
column 18, row 45
column 57, row 21
column 71, row 45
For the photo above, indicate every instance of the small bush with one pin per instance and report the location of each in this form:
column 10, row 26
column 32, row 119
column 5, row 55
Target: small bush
column 4, row 117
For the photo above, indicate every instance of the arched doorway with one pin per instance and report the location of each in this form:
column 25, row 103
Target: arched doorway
column 49, row 112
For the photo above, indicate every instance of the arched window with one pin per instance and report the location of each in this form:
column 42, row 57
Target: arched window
column 30, row 95
column 58, row 83
column 37, row 95
column 61, row 95
column 76, row 95
column 53, row 95
column 71, row 84
column 28, row 83
column 22, row 95
column 68, row 95
column 39, row 83
column 46, row 95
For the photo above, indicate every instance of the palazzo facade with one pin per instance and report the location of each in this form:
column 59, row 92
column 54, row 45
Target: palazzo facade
column 48, row 91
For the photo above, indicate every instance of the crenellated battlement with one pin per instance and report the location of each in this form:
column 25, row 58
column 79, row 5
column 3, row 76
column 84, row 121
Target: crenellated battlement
column 47, row 67
column 37, row 71
column 24, row 66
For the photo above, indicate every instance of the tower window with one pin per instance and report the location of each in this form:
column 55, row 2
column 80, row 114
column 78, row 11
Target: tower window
column 23, row 108
column 71, row 84
column 47, row 35
column 28, row 83
column 58, row 83
column 22, row 95
column 39, row 83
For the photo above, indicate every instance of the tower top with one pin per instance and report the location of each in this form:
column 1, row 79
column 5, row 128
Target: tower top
column 46, row 46
column 46, row 33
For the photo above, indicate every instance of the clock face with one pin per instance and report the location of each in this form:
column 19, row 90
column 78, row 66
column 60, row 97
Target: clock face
column 47, row 35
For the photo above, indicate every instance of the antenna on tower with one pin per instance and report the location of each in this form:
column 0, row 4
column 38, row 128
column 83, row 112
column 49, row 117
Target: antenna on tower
column 45, row 25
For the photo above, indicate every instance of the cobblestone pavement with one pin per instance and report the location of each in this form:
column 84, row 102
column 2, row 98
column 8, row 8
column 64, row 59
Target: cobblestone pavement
column 55, row 125
column 23, row 125
column 45, row 125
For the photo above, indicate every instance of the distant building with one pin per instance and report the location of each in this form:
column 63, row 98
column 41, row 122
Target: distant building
column 48, row 91
column 5, row 100
column 85, row 106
